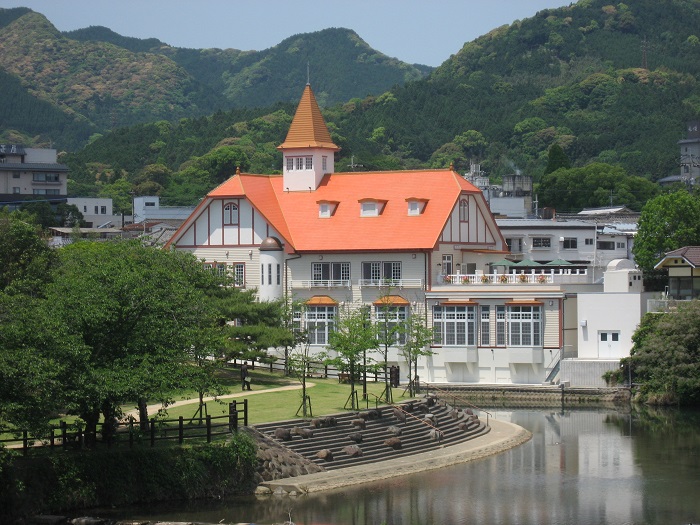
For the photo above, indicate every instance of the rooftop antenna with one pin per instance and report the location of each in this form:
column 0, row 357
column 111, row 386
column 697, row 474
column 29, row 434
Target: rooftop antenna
column 352, row 164
column 308, row 74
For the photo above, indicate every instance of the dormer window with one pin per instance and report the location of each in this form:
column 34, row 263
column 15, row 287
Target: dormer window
column 416, row 206
column 371, row 207
column 326, row 209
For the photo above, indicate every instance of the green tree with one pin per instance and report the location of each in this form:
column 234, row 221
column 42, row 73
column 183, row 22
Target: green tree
column 136, row 310
column 391, row 329
column 594, row 185
column 556, row 158
column 351, row 339
column 665, row 358
column 417, row 344
column 667, row 222
column 25, row 258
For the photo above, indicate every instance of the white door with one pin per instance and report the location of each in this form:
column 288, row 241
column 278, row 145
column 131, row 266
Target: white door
column 608, row 345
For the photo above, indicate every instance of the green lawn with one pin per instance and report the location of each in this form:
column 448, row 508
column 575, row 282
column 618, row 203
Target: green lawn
column 328, row 396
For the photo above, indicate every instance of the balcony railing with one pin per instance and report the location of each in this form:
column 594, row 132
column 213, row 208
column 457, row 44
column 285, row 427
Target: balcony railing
column 364, row 283
column 322, row 283
column 496, row 278
column 395, row 283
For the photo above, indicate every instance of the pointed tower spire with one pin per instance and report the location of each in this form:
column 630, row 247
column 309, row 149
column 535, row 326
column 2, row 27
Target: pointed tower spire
column 308, row 149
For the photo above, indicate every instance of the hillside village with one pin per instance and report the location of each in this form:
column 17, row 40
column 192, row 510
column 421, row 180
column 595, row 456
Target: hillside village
column 515, row 295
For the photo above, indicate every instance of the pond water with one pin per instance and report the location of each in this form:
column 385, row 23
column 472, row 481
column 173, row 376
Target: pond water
column 583, row 467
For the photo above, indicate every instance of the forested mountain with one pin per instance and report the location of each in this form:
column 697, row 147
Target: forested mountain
column 612, row 85
column 102, row 81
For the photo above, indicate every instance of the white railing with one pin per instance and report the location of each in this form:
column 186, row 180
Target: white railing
column 496, row 278
column 322, row 283
column 396, row 283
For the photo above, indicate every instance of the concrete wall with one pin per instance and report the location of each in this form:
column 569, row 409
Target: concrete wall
column 586, row 373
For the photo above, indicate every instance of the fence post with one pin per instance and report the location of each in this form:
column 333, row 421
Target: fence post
column 270, row 365
column 25, row 442
column 325, row 371
column 63, row 434
column 52, row 437
column 180, row 430
column 131, row 433
column 153, row 432
column 245, row 412
column 232, row 418
column 208, row 428
column 80, row 438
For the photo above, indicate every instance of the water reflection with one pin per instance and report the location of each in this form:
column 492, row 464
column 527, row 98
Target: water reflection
column 582, row 467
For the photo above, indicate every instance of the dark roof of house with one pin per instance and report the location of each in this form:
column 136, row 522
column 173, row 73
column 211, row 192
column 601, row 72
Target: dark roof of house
column 32, row 166
column 689, row 254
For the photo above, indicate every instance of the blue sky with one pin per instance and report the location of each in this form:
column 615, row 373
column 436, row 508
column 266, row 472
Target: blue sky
column 415, row 31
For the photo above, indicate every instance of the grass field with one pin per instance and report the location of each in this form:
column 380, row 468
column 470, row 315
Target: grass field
column 328, row 396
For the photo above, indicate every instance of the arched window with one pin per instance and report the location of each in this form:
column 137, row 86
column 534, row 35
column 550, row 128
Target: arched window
column 230, row 213
column 463, row 210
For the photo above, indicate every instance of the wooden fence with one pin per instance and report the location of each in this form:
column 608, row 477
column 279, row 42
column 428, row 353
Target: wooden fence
column 316, row 369
column 129, row 433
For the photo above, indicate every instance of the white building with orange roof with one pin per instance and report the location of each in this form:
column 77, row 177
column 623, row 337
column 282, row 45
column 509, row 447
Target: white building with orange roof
column 424, row 239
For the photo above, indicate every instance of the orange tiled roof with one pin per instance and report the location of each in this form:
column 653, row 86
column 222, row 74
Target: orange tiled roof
column 308, row 129
column 295, row 215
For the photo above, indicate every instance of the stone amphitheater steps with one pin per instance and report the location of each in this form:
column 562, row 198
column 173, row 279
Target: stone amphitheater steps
column 415, row 435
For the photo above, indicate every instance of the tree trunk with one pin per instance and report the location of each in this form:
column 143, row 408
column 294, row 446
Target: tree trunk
column 143, row 415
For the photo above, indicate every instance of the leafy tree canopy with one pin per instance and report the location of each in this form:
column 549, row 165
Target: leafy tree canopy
column 668, row 222
column 594, row 185
column 665, row 358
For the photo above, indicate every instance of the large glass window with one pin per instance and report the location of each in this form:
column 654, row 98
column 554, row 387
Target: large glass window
column 391, row 320
column 323, row 272
column 381, row 271
column 524, row 326
column 319, row 321
column 454, row 325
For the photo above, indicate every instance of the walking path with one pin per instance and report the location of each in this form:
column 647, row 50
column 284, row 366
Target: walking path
column 503, row 436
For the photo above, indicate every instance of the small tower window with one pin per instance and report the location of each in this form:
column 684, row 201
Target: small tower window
column 463, row 210
column 290, row 164
column 324, row 163
column 230, row 214
column 309, row 163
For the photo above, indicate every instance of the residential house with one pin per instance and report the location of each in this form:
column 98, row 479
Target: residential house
column 574, row 250
column 400, row 243
column 31, row 174
column 683, row 267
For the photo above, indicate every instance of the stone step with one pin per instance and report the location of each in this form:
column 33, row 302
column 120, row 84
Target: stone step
column 415, row 435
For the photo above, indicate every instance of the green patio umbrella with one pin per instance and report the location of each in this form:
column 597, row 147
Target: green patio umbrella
column 558, row 262
column 502, row 262
column 526, row 262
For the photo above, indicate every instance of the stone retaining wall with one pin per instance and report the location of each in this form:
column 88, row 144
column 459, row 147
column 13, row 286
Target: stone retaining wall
column 509, row 396
column 278, row 462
